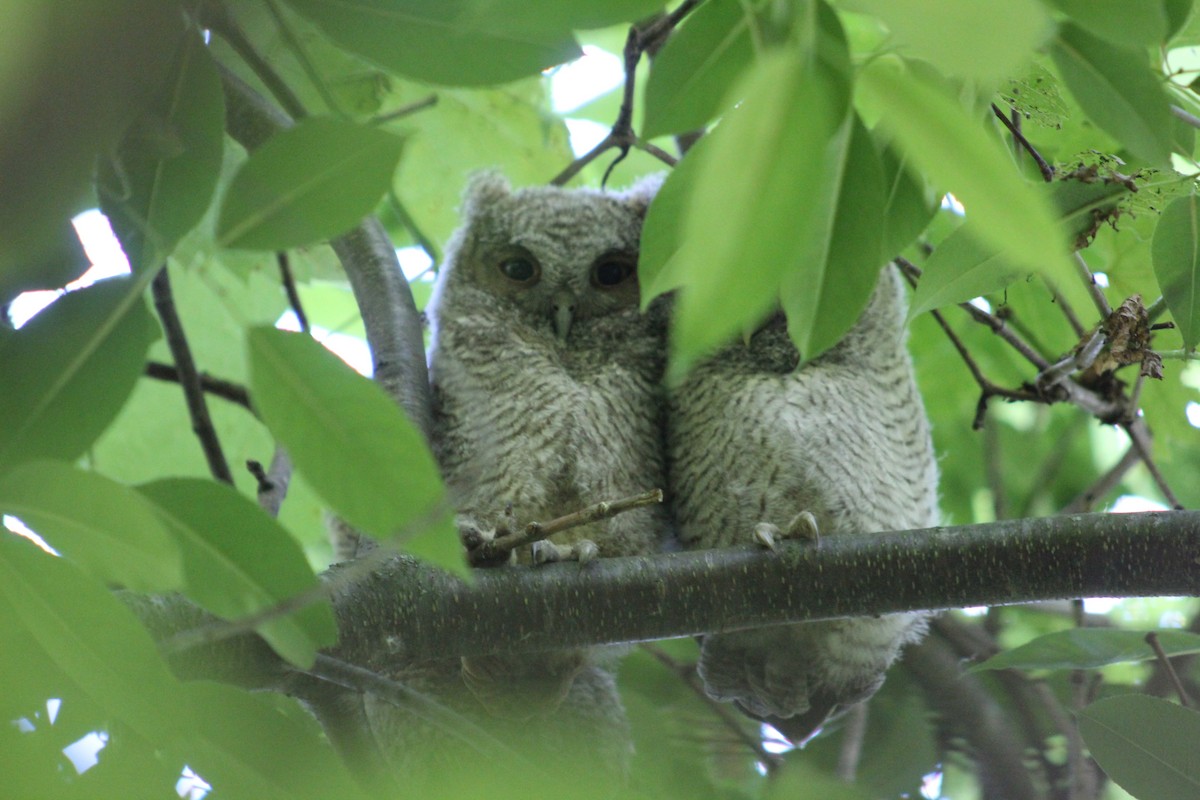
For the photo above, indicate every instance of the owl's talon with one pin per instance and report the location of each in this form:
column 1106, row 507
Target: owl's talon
column 546, row 552
column 765, row 533
column 804, row 526
column 585, row 551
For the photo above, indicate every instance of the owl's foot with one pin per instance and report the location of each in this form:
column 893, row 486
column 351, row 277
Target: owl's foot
column 546, row 551
column 477, row 536
column 802, row 526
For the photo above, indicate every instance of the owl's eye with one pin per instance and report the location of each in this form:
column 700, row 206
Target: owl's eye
column 520, row 269
column 611, row 272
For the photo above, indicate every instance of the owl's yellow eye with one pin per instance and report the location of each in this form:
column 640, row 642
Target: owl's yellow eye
column 519, row 269
column 611, row 272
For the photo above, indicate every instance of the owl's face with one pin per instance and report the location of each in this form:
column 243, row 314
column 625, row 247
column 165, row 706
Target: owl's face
column 552, row 259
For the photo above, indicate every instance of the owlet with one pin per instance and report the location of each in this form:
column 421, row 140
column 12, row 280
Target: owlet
column 759, row 447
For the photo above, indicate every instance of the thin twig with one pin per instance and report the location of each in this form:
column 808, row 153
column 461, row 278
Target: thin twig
column 289, row 287
column 1046, row 170
column 1140, row 436
column 537, row 531
column 233, row 392
column 735, row 723
column 414, row 230
column 1161, row 655
column 1156, row 309
column 293, row 43
column 404, row 111
column 1190, row 119
column 189, row 378
column 1179, row 355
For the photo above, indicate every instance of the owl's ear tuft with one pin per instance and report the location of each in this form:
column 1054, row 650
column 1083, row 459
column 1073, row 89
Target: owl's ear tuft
column 484, row 189
column 639, row 195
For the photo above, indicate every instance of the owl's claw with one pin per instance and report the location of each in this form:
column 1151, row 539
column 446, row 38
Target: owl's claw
column 802, row 526
column 583, row 551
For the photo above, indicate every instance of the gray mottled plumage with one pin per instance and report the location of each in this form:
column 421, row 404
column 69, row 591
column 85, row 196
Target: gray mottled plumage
column 547, row 398
column 754, row 440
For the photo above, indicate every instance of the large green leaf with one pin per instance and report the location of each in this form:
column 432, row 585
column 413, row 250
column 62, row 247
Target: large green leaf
column 256, row 746
column 237, row 561
column 73, row 75
column 1176, row 253
column 1139, row 24
column 910, row 206
column 979, row 41
column 952, row 149
column 1089, row 648
column 352, row 443
column 159, row 182
column 825, row 296
column 88, row 635
column 70, row 369
column 1117, row 89
column 454, row 42
column 106, row 528
column 1146, row 745
column 307, row 183
column 962, row 267
column 762, row 202
column 691, row 77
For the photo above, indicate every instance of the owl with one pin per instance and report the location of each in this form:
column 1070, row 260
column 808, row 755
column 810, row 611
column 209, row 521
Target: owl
column 761, row 446
column 547, row 387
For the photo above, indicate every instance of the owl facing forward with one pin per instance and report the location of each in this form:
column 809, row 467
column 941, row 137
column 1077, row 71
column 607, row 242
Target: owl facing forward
column 758, row 446
column 547, row 393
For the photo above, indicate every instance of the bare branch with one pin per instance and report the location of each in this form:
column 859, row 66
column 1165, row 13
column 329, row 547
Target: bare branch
column 228, row 390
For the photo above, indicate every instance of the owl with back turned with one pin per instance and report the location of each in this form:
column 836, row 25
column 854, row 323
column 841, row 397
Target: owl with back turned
column 762, row 446
column 546, row 378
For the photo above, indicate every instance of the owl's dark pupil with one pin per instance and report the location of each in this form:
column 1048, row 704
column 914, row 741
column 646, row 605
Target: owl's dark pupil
column 517, row 269
column 610, row 273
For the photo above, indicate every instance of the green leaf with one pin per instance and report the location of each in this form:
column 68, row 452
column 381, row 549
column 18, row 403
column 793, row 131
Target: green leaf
column 1176, row 254
column 962, row 267
column 1177, row 12
column 750, row 220
column 454, row 42
column 351, row 442
column 105, row 527
column 237, row 561
column 662, row 234
column 586, row 14
column 954, row 151
column 910, row 207
column 158, row 184
column 1084, row 205
column 1089, row 648
column 825, row 296
column 244, row 744
column 977, row 41
column 1117, row 89
column 306, row 184
column 88, row 635
column 1140, row 24
column 1146, row 745
column 70, row 369
column 690, row 79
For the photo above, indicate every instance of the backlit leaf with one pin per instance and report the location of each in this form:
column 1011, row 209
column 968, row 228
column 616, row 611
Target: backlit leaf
column 105, row 527
column 1089, row 648
column 237, row 560
column 307, row 183
column 1176, row 253
column 1146, row 745
column 1117, row 89
column 70, row 369
column 1141, row 24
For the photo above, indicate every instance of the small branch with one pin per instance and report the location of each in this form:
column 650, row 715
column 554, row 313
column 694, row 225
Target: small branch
column 289, row 287
column 1156, row 309
column 735, row 723
column 1046, row 170
column 1140, row 436
column 314, row 75
column 189, row 378
column 1087, row 500
column 215, row 16
column 233, row 392
column 404, row 111
column 1080, row 359
column 853, row 735
column 537, row 531
column 414, row 230
column 1089, row 281
column 1165, row 663
column 1179, row 355
column 1190, row 119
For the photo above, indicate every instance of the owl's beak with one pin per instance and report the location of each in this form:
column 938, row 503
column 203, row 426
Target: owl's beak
column 564, row 312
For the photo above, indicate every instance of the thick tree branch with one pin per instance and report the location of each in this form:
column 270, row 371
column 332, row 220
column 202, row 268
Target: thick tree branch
column 408, row 610
column 389, row 314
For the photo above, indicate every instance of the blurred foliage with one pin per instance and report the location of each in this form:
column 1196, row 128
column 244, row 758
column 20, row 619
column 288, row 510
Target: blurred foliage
column 836, row 127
